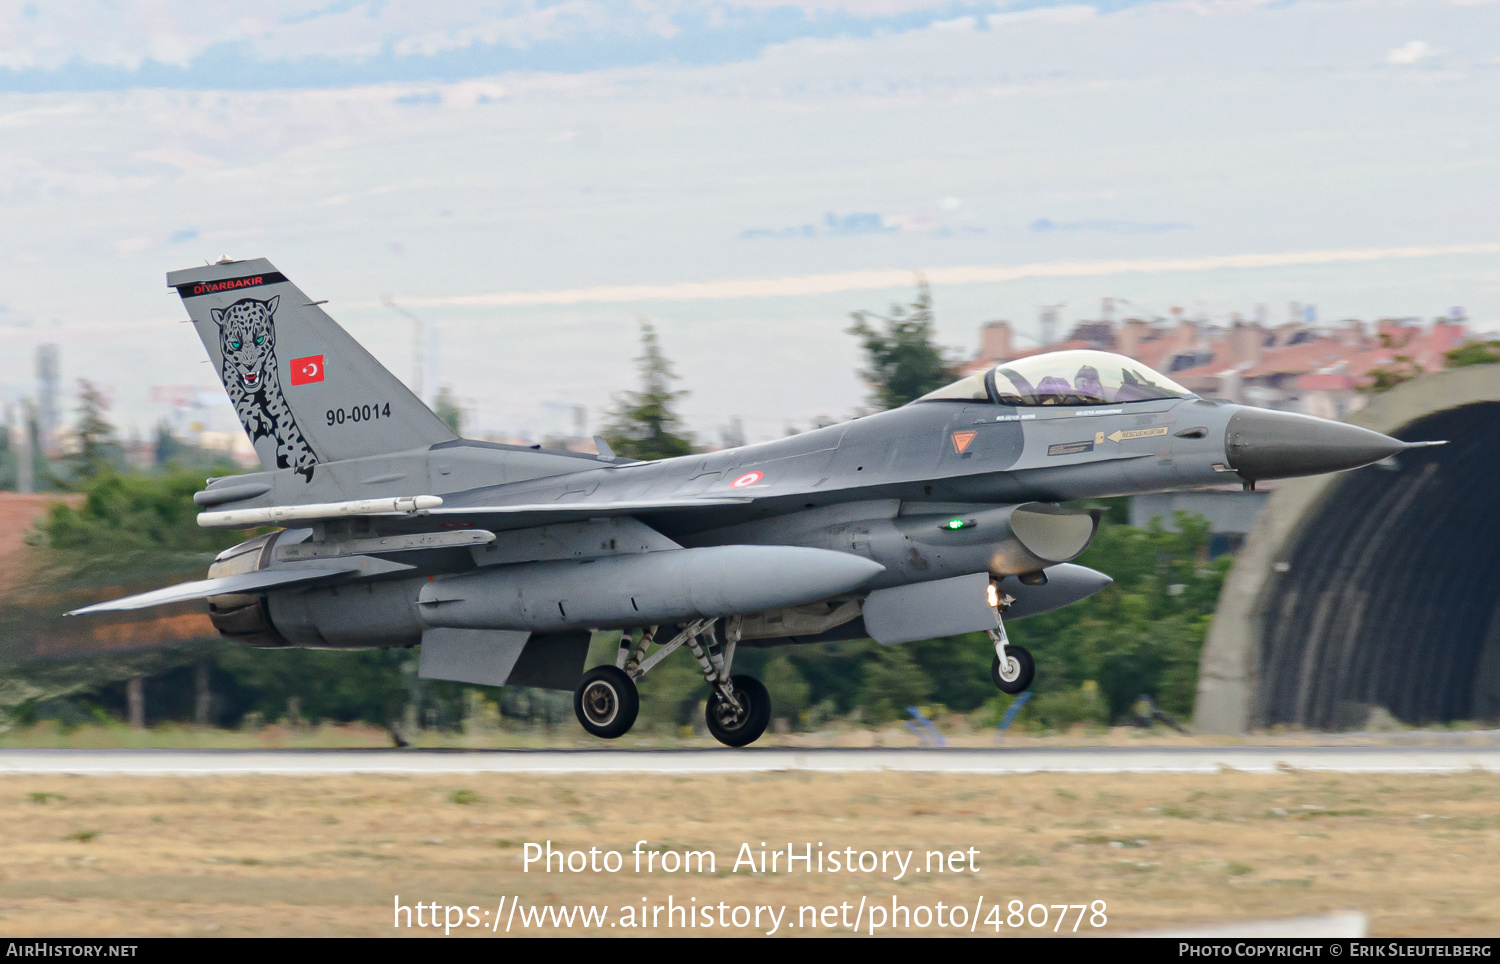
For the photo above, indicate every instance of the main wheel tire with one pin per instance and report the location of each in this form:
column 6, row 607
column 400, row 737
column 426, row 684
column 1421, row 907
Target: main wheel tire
column 1017, row 674
column 742, row 727
column 606, row 702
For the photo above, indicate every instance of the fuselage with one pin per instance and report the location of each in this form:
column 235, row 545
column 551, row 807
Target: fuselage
column 929, row 491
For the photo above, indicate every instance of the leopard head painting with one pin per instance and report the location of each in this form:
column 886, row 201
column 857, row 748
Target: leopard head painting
column 247, row 344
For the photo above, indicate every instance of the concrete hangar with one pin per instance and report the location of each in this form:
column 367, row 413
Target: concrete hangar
column 1376, row 588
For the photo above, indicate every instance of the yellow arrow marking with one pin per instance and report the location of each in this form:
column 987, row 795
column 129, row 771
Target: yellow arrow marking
column 1120, row 435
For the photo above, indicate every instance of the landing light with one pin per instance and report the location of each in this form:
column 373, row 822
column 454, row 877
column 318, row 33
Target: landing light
column 994, row 596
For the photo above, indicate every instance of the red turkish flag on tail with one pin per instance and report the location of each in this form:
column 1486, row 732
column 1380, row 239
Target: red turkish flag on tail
column 307, row 370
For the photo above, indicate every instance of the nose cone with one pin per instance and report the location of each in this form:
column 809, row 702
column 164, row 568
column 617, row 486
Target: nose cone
column 1263, row 444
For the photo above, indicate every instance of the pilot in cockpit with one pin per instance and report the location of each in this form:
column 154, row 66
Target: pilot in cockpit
column 1088, row 384
column 1052, row 390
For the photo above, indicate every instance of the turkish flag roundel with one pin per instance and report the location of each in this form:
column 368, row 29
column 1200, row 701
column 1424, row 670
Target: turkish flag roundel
column 307, row 370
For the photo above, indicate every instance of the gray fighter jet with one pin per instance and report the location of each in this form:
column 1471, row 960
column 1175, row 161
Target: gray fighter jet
column 940, row 517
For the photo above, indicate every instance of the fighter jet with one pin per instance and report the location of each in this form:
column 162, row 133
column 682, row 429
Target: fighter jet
column 948, row 515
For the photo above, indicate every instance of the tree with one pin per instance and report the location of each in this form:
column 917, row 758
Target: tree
column 1474, row 353
column 1385, row 379
column 131, row 526
column 904, row 363
column 168, row 448
column 98, row 451
column 891, row 681
column 787, row 688
column 448, row 410
column 642, row 424
column 1142, row 634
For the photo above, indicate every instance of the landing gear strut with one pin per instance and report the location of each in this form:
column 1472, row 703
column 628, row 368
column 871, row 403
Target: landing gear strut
column 1013, row 668
column 739, row 708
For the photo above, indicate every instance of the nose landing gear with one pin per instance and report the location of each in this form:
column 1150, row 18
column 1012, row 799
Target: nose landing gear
column 1014, row 673
column 1013, row 668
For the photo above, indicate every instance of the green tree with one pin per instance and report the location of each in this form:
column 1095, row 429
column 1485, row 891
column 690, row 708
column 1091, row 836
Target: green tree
column 1474, row 353
column 892, row 680
column 1141, row 634
column 447, row 409
column 326, row 685
column 788, row 690
column 1145, row 631
column 671, row 692
column 643, row 424
column 98, row 450
column 168, row 446
column 904, row 362
column 1385, row 379
column 131, row 526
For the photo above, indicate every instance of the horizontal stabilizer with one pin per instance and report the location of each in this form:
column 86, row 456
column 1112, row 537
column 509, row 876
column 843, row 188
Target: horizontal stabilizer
column 203, row 588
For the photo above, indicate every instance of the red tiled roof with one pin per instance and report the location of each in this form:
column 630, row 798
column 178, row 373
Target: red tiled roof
column 1353, row 362
column 18, row 513
column 1295, row 359
column 1154, row 352
column 980, row 364
column 1327, row 382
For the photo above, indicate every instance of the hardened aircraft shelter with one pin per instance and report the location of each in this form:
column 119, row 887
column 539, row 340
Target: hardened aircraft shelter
column 1378, row 587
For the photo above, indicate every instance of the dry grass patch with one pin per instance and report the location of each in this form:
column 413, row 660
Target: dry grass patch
column 326, row 855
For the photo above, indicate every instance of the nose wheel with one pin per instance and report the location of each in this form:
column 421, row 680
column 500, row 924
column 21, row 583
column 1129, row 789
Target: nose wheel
column 1015, row 672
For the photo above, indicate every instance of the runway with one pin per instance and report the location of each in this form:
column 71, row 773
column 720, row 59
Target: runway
column 999, row 760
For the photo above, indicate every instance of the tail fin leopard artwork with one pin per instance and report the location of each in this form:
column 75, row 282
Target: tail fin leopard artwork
column 302, row 387
column 247, row 341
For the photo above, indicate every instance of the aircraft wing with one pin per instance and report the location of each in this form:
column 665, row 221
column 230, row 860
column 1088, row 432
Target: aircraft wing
column 202, row 588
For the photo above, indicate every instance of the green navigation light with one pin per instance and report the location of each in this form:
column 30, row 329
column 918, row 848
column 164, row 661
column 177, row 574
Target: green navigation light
column 956, row 524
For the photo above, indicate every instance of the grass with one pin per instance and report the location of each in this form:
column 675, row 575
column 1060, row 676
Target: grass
column 327, row 856
column 958, row 730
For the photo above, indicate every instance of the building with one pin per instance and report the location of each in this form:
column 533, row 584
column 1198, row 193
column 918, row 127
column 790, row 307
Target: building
column 1296, row 367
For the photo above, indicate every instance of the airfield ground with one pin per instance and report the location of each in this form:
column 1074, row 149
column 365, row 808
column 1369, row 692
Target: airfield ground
column 326, row 855
column 956, row 730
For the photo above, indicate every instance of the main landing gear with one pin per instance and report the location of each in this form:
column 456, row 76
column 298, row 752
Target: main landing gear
column 1013, row 668
column 606, row 702
column 739, row 708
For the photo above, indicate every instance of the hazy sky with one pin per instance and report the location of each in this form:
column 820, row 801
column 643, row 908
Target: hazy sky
column 532, row 178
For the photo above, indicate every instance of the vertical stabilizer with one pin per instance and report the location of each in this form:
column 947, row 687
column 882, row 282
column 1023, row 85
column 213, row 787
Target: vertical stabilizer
column 305, row 391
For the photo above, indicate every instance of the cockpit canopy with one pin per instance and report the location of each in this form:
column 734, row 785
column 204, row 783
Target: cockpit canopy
column 1080, row 377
